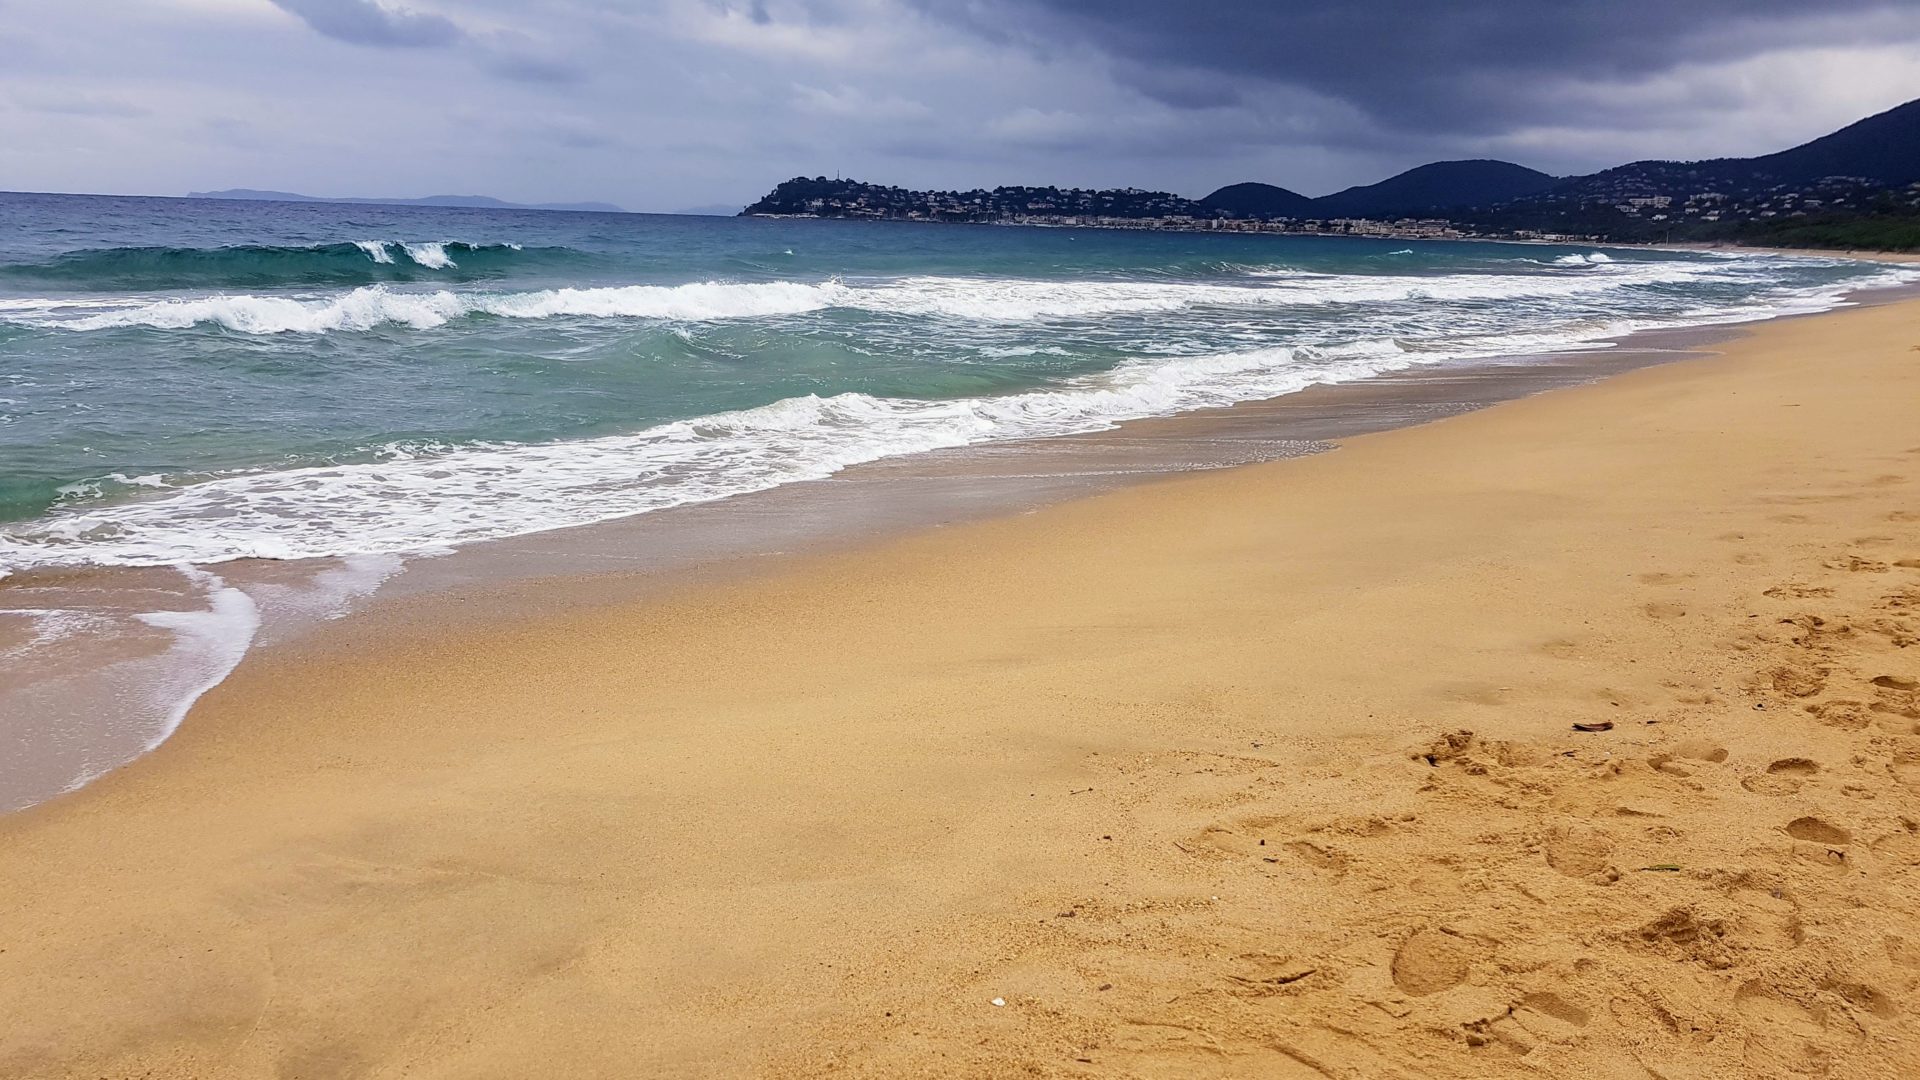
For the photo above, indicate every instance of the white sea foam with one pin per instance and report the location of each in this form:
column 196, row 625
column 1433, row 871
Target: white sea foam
column 374, row 305
column 409, row 503
column 1593, row 258
column 98, row 687
column 376, row 250
column 50, row 625
column 966, row 298
column 207, row 646
column 329, row 593
column 429, row 496
column 433, row 256
column 423, row 498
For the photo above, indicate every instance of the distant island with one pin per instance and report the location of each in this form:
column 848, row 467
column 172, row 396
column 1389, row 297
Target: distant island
column 1856, row 188
column 485, row 202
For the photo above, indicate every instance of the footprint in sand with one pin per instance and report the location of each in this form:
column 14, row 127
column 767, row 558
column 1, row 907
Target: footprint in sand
column 1560, row 649
column 1797, row 680
column 1843, row 714
column 1898, row 848
column 1866, row 998
column 1700, row 750
column 1557, row 1007
column 1764, row 1007
column 1815, row 831
column 1683, row 934
column 1320, row 857
column 1579, row 850
column 1431, row 961
column 1783, row 777
column 1789, row 1033
column 1907, row 771
column 1678, row 760
column 1664, row 609
column 1259, row 974
column 1242, row 836
column 1854, row 564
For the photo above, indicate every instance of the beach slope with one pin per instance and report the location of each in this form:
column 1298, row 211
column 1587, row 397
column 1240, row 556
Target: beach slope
column 1577, row 736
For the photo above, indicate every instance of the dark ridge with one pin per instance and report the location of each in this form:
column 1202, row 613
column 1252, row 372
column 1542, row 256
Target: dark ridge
column 1442, row 185
column 1259, row 201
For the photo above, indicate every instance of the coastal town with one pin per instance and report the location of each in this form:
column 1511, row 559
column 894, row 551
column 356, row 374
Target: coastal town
column 1123, row 208
column 1851, row 189
column 1623, row 208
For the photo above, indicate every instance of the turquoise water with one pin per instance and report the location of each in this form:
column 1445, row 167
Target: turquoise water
column 198, row 381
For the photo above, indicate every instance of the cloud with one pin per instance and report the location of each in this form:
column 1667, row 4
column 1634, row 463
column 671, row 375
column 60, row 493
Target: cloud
column 1465, row 66
column 61, row 103
column 511, row 54
column 373, row 22
column 681, row 102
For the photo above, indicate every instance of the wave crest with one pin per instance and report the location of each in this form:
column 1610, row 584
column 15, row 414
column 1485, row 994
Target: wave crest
column 1005, row 300
column 357, row 261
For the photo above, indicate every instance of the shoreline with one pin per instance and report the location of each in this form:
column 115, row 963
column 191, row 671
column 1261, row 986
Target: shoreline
column 1176, row 772
column 271, row 604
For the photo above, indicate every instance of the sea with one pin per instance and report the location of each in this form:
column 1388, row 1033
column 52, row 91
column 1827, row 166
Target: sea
column 191, row 384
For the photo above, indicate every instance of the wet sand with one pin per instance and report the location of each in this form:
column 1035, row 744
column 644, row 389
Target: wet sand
column 88, row 685
column 1270, row 771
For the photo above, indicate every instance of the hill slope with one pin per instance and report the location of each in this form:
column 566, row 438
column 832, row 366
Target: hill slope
column 1259, row 200
column 1442, row 185
column 1883, row 147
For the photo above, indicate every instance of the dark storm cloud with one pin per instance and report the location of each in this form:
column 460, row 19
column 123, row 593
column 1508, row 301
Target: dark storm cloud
column 371, row 22
column 1463, row 66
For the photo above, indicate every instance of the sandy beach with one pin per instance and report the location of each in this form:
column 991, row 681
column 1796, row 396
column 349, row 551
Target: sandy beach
column 1575, row 736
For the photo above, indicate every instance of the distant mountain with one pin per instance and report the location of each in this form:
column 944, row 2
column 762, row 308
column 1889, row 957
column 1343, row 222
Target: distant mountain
column 1868, row 168
column 1882, row 150
column 486, row 202
column 1883, row 147
column 1858, row 187
column 818, row 196
column 1442, row 185
column 1258, row 201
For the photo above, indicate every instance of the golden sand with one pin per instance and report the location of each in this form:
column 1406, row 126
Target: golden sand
column 1270, row 773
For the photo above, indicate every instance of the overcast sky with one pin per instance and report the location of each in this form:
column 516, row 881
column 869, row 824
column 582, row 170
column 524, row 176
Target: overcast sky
column 665, row 104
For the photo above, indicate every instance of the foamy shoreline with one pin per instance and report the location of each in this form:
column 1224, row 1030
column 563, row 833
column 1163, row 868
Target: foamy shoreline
column 147, row 690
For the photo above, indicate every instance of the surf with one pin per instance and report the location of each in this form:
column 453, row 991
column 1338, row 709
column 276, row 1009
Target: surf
column 250, row 265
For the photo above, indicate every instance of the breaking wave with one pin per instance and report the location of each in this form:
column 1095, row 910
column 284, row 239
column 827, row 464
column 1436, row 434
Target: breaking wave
column 417, row 502
column 355, row 262
column 977, row 299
